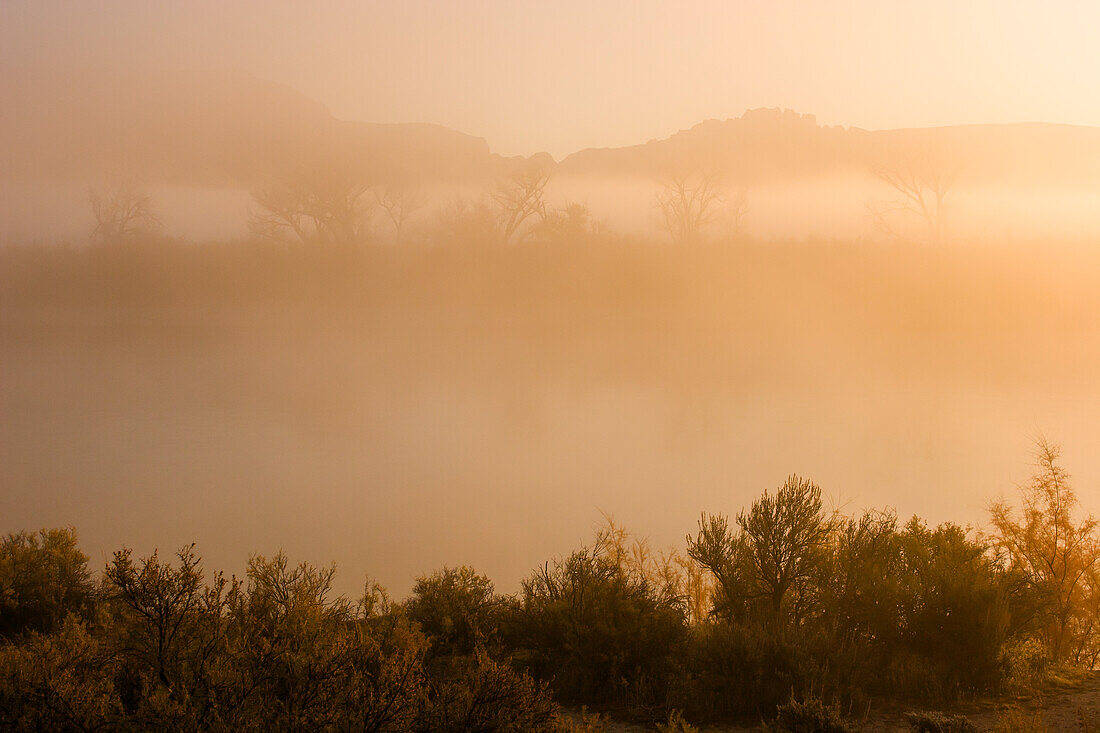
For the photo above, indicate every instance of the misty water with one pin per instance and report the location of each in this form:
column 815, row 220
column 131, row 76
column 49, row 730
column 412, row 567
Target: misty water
column 437, row 407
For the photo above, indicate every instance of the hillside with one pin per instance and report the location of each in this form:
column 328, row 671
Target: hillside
column 208, row 130
column 766, row 145
column 235, row 131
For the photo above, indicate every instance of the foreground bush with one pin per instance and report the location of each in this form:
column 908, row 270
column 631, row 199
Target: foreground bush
column 921, row 722
column 43, row 578
column 736, row 670
column 279, row 652
column 58, row 682
column 599, row 633
column 809, row 716
column 487, row 695
column 457, row 608
column 790, row 600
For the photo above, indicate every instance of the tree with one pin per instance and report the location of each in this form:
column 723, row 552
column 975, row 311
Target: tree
column 923, row 187
column 780, row 546
column 121, row 214
column 326, row 204
column 686, row 204
column 399, row 202
column 1056, row 550
column 518, row 198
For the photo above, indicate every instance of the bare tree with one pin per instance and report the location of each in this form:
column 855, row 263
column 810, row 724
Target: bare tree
column 122, row 213
column 923, row 187
column 281, row 209
column 687, row 204
column 399, row 202
column 329, row 206
column 519, row 198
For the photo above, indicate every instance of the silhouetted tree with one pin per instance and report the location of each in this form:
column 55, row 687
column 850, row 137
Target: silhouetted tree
column 519, row 198
column 923, row 186
column 121, row 214
column 955, row 615
column 864, row 583
column 687, row 204
column 399, row 202
column 322, row 204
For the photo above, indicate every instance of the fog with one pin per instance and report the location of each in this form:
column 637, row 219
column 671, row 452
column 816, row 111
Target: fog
column 401, row 409
column 267, row 356
column 833, row 208
column 557, row 367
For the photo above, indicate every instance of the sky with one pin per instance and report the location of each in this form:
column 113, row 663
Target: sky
column 565, row 75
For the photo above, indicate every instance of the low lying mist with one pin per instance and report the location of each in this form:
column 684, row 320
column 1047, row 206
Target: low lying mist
column 397, row 409
column 835, row 207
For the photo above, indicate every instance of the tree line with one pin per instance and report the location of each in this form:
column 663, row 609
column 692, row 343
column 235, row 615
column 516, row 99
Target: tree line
column 330, row 202
column 787, row 611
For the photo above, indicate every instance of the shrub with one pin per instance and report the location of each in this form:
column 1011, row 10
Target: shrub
column 60, row 682
column 809, row 716
column 43, row 578
column 930, row 722
column 599, row 633
column 482, row 694
column 735, row 670
column 676, row 724
column 956, row 608
column 312, row 664
column 586, row 723
column 1026, row 664
column 170, row 631
column 456, row 608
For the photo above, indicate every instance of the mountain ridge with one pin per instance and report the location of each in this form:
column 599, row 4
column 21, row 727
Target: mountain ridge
column 235, row 130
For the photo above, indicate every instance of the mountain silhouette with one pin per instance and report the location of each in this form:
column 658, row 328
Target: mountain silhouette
column 766, row 145
column 210, row 129
column 233, row 130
